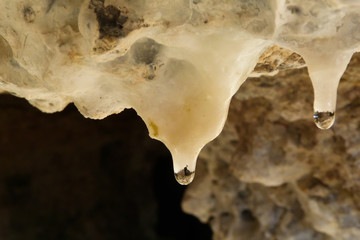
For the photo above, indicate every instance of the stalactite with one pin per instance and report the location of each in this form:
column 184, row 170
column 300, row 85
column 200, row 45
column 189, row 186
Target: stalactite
column 177, row 63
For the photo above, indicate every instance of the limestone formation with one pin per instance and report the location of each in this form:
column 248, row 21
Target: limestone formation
column 177, row 63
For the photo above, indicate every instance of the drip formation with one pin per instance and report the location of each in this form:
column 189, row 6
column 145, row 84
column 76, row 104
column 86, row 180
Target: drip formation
column 324, row 120
column 184, row 177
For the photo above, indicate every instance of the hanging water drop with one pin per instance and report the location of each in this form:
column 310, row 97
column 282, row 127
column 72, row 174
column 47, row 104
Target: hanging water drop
column 184, row 176
column 325, row 69
column 324, row 120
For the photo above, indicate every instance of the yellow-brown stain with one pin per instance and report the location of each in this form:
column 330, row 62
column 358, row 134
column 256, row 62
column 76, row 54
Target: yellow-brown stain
column 187, row 107
column 154, row 129
column 74, row 55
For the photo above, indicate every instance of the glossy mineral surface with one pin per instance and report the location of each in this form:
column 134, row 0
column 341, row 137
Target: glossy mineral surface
column 177, row 63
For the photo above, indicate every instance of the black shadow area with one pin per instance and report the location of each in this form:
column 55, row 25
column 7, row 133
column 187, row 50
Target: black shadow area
column 64, row 177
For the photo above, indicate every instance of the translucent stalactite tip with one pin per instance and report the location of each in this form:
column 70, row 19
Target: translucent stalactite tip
column 184, row 177
column 324, row 120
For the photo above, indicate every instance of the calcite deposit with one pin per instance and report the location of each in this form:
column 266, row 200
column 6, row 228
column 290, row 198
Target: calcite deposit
column 177, row 63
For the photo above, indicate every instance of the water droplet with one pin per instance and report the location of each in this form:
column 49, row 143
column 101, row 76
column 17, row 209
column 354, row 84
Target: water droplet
column 324, row 120
column 184, row 177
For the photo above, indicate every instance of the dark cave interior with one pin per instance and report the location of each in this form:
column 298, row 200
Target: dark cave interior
column 66, row 177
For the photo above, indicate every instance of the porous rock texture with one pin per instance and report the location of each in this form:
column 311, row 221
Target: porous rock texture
column 271, row 174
